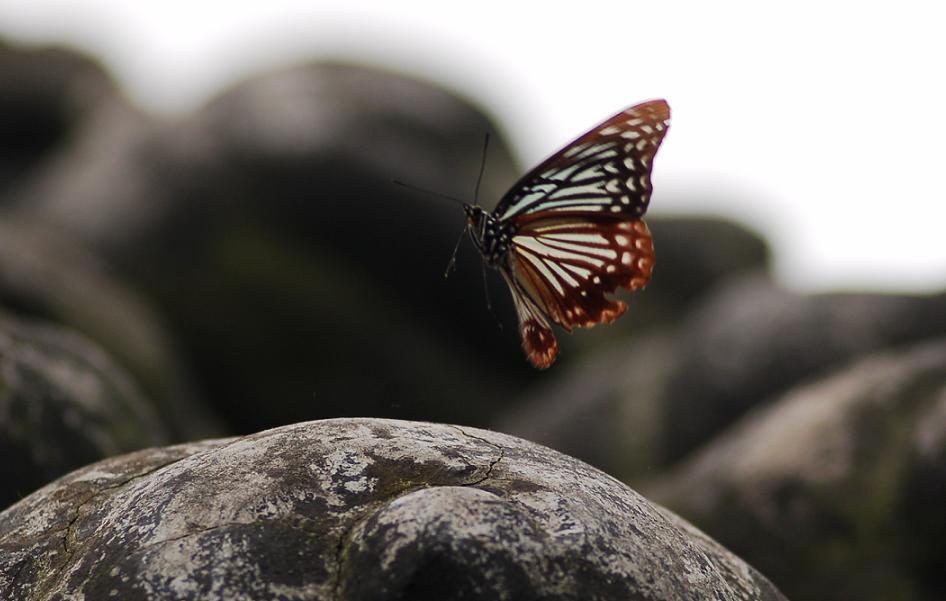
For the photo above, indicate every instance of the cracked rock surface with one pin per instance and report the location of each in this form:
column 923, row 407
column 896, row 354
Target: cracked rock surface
column 357, row 509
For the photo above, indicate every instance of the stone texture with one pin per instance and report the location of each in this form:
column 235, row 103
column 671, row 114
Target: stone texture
column 357, row 509
column 63, row 403
column 835, row 490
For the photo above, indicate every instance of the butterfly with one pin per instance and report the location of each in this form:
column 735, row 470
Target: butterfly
column 570, row 231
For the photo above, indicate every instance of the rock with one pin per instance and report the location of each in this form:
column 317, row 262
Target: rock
column 605, row 410
column 357, row 509
column 47, row 276
column 63, row 403
column 697, row 253
column 694, row 255
column 752, row 340
column 836, row 490
column 46, row 96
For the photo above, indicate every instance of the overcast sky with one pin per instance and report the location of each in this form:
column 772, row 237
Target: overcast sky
column 820, row 124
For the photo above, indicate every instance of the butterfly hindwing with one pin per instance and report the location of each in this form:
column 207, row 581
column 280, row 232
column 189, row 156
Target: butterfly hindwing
column 569, row 265
column 538, row 340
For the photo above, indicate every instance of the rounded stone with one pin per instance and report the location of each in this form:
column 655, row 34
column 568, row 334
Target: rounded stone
column 358, row 509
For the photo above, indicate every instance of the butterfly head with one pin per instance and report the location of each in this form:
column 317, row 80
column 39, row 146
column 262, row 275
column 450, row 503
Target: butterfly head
column 490, row 235
column 474, row 216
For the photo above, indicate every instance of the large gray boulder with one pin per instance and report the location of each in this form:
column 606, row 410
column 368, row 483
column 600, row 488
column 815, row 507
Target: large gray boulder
column 357, row 509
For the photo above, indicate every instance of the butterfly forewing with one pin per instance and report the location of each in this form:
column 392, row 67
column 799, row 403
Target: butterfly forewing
column 578, row 232
column 604, row 172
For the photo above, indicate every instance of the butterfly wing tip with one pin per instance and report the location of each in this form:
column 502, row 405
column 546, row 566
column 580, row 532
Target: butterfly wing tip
column 621, row 308
column 539, row 343
column 659, row 106
column 543, row 360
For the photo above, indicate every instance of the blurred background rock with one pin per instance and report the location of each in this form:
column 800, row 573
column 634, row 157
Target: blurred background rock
column 63, row 404
column 251, row 264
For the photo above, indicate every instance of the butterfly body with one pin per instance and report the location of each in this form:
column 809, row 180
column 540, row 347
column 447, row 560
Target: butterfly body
column 571, row 230
column 491, row 236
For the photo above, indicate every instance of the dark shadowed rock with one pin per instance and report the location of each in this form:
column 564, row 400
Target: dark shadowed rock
column 698, row 252
column 45, row 97
column 836, row 491
column 63, row 404
column 694, row 255
column 358, row 509
column 268, row 229
column 605, row 410
column 44, row 275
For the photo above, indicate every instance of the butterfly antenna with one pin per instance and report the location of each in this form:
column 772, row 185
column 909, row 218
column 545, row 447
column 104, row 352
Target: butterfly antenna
column 476, row 190
column 489, row 304
column 451, row 265
column 428, row 192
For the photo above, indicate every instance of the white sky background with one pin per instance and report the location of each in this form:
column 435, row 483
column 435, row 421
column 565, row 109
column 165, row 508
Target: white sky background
column 821, row 124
